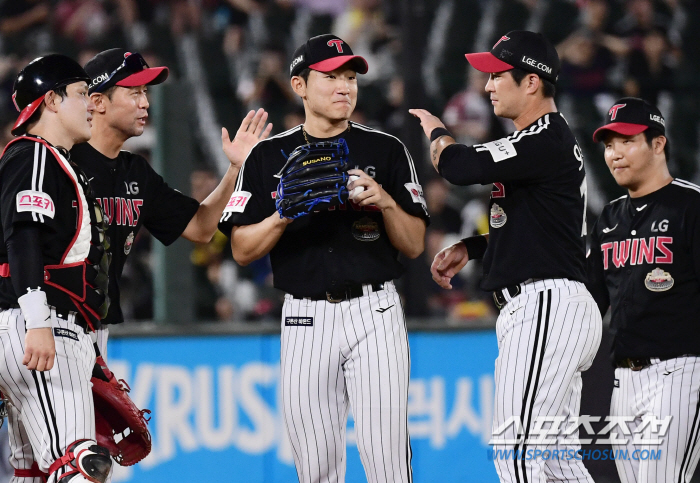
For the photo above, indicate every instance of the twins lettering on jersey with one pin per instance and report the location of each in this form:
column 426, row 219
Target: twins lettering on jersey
column 124, row 211
column 638, row 251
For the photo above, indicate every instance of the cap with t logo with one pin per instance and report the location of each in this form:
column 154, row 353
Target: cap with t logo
column 325, row 53
column 526, row 50
column 630, row 116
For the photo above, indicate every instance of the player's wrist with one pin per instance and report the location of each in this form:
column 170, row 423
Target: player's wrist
column 35, row 309
column 476, row 246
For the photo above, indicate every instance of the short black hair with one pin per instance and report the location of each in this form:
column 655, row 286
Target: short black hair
column 652, row 133
column 304, row 74
column 548, row 87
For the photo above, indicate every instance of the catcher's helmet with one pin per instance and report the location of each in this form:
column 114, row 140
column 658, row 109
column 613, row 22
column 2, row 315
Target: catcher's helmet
column 40, row 76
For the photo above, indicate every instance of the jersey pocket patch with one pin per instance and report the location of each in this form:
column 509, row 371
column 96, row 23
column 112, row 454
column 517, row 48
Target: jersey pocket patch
column 299, row 321
column 238, row 202
column 36, row 202
column 416, row 192
column 501, row 149
column 61, row 332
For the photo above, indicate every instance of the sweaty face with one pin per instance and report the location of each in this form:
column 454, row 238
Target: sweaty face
column 629, row 158
column 507, row 97
column 332, row 95
column 127, row 110
column 75, row 112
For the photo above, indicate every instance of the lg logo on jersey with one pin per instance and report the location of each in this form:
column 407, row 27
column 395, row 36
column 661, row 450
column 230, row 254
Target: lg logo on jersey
column 132, row 188
column 662, row 227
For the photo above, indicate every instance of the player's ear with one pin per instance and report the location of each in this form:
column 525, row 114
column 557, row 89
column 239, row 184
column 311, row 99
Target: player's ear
column 659, row 143
column 298, row 86
column 100, row 101
column 533, row 83
column 51, row 100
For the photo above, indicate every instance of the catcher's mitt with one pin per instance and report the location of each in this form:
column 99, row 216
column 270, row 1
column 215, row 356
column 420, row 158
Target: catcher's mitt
column 121, row 426
column 314, row 177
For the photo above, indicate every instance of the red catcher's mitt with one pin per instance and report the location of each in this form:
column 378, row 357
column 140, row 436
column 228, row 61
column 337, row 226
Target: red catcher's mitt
column 121, row 426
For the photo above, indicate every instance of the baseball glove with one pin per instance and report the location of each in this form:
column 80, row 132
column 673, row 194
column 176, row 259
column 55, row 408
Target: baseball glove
column 314, row 177
column 121, row 426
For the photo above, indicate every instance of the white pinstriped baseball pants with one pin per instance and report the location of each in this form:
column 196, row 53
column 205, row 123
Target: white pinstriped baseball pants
column 666, row 388
column 355, row 351
column 21, row 454
column 49, row 409
column 547, row 336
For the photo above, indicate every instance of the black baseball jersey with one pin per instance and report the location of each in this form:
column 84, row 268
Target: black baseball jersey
column 327, row 250
column 36, row 188
column 644, row 263
column 132, row 195
column 538, row 201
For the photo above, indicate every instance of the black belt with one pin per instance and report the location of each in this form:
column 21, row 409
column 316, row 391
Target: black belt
column 346, row 293
column 78, row 320
column 500, row 298
column 639, row 363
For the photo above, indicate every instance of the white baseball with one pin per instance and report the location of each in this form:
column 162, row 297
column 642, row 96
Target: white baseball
column 358, row 189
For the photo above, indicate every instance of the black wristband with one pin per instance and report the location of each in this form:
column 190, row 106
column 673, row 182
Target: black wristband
column 476, row 246
column 437, row 132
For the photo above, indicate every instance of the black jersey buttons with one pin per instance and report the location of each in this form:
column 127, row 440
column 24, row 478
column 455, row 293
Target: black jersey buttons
column 330, row 249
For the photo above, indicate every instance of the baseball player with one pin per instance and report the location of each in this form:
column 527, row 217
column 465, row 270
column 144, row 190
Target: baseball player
column 53, row 275
column 548, row 328
column 343, row 331
column 644, row 264
column 131, row 193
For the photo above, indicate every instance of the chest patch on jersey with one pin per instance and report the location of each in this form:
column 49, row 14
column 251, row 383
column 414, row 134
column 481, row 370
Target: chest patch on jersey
column 61, row 332
column 501, row 149
column 416, row 192
column 365, row 229
column 658, row 281
column 129, row 243
column 36, row 202
column 299, row 321
column 238, row 202
column 498, row 217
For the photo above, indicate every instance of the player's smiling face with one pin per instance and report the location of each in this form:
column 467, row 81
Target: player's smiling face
column 126, row 111
column 75, row 112
column 629, row 158
column 331, row 95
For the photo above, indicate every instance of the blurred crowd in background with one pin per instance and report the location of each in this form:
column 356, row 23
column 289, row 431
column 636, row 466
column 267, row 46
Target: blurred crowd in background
column 235, row 55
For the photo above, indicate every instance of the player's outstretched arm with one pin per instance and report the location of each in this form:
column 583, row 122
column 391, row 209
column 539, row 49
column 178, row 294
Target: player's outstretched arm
column 448, row 262
column 252, row 242
column 406, row 232
column 429, row 122
column 203, row 224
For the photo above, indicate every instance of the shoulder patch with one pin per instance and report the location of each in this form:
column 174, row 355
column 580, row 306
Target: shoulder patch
column 35, row 201
column 416, row 192
column 501, row 149
column 238, row 202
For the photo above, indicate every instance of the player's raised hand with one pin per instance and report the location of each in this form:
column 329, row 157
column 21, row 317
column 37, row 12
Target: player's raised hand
column 251, row 131
column 427, row 120
column 39, row 349
column 447, row 263
column 373, row 193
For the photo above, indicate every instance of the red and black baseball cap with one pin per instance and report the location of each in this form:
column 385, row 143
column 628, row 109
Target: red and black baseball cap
column 118, row 67
column 630, row 116
column 526, row 50
column 325, row 53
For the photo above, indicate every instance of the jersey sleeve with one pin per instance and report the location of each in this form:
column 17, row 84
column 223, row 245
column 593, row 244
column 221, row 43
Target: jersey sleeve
column 596, row 273
column 29, row 188
column 248, row 204
column 404, row 185
column 169, row 211
column 522, row 156
column 693, row 234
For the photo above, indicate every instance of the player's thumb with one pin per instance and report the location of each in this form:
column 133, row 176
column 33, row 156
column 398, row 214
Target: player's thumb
column 224, row 135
